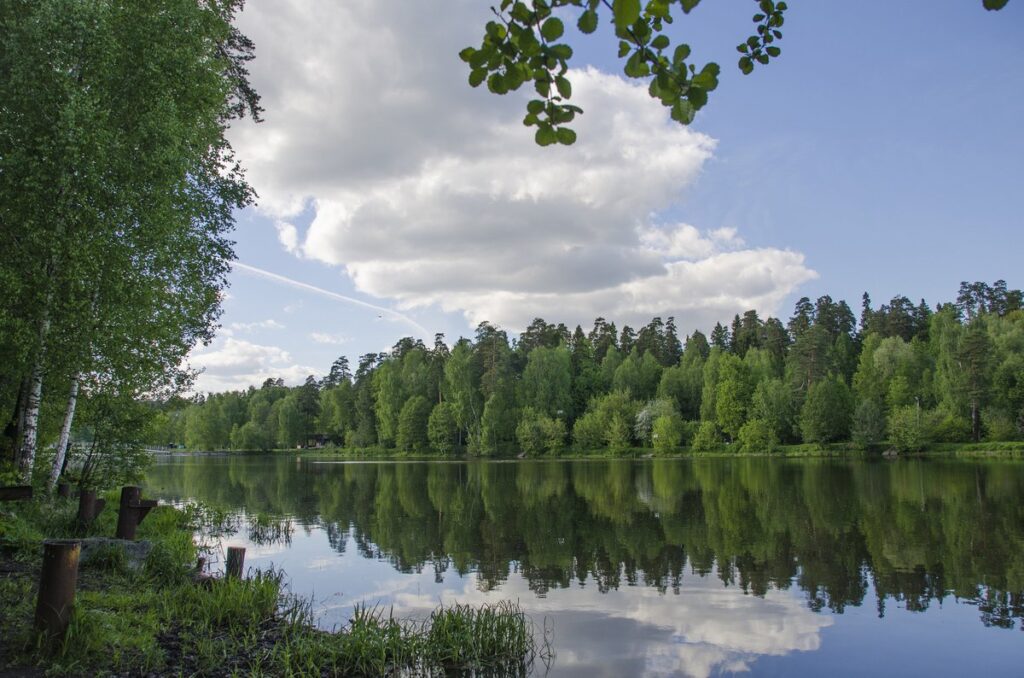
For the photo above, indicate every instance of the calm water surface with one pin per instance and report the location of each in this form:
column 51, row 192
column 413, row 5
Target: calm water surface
column 656, row 567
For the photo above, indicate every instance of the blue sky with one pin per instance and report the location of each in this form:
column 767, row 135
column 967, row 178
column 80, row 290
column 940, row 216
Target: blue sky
column 881, row 152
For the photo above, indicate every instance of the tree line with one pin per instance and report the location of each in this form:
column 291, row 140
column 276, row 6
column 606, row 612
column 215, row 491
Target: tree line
column 904, row 376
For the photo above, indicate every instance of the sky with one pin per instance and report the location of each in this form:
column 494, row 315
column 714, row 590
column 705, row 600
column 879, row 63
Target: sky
column 881, row 152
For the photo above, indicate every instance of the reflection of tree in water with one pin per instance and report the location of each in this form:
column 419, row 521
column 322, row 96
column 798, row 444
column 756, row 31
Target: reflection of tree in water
column 919, row 531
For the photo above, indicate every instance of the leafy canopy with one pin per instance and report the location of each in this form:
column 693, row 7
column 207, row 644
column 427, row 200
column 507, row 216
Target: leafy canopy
column 526, row 43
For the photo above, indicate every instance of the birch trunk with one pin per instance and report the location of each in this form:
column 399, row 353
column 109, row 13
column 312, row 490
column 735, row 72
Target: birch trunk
column 27, row 453
column 65, row 435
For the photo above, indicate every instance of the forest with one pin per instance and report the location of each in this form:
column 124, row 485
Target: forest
column 901, row 378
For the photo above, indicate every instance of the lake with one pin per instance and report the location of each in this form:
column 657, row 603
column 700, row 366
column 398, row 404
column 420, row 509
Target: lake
column 655, row 567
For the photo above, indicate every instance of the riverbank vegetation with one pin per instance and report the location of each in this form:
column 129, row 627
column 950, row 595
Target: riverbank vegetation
column 155, row 618
column 906, row 377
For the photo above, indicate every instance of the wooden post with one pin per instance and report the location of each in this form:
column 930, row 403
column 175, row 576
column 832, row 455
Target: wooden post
column 236, row 560
column 127, row 518
column 89, row 507
column 131, row 511
column 57, row 587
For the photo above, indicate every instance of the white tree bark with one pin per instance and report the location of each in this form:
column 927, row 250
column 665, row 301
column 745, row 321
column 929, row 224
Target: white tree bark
column 27, row 454
column 65, row 434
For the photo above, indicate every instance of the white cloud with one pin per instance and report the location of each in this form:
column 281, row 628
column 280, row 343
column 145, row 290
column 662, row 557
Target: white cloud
column 325, row 338
column 237, row 364
column 427, row 192
column 288, row 236
column 268, row 324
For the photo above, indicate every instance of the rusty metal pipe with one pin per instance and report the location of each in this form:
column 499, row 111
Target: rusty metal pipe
column 57, row 583
column 236, row 560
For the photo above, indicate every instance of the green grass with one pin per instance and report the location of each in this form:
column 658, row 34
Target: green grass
column 160, row 620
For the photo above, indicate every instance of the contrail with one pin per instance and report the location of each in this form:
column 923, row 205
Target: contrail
column 332, row 295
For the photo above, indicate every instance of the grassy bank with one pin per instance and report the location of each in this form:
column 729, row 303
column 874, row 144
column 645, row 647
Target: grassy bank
column 157, row 620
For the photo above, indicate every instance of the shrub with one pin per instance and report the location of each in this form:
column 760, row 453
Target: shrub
column 617, row 435
column 909, row 428
column 588, row 432
column 757, row 436
column 538, row 433
column 708, row 438
column 868, row 427
column 442, row 429
column 825, row 416
column 667, row 432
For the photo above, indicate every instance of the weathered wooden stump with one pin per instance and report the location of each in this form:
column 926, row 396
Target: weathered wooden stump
column 236, row 560
column 89, row 507
column 132, row 511
column 57, row 583
column 15, row 492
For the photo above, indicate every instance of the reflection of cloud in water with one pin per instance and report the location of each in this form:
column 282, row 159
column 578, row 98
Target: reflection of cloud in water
column 705, row 629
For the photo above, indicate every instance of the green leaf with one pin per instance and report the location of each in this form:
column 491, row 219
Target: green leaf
column 545, row 135
column 746, row 65
column 626, row 12
column 467, row 54
column 683, row 112
column 562, row 51
column 994, row 4
column 476, row 76
column 535, row 106
column 564, row 87
column 773, row 51
column 566, row 136
column 660, row 42
column 552, row 29
column 624, row 48
column 681, row 54
column 543, row 87
column 587, row 22
column 688, row 5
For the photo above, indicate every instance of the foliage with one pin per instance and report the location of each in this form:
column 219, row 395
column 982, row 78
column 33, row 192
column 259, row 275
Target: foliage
column 538, row 433
column 757, row 436
column 412, row 425
column 868, row 426
column 909, row 428
column 524, row 45
column 708, row 438
column 442, row 428
column 825, row 416
column 667, row 432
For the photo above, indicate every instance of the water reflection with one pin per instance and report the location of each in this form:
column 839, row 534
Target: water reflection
column 656, row 567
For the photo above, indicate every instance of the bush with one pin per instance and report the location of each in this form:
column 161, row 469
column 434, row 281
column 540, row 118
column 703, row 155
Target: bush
column 588, row 432
column 538, row 433
column 412, row 424
column 667, row 432
column 868, row 428
column 951, row 428
column 617, row 435
column 645, row 418
column 688, row 431
column 825, row 416
column 442, row 429
column 708, row 438
column 909, row 428
column 757, row 436
column 998, row 425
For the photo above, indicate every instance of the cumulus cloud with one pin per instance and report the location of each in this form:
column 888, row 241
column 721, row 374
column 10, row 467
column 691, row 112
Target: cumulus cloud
column 236, row 364
column 430, row 193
